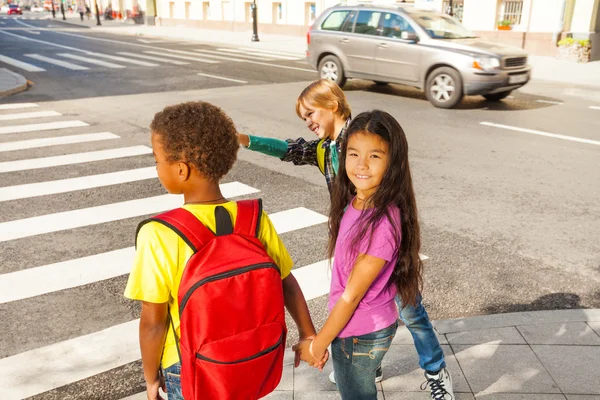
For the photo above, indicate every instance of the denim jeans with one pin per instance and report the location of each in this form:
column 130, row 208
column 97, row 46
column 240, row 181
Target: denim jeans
column 431, row 356
column 173, row 381
column 355, row 360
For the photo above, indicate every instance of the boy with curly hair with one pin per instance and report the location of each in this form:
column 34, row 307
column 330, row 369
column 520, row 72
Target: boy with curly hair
column 194, row 145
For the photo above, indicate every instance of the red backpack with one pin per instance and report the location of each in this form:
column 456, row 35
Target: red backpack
column 231, row 307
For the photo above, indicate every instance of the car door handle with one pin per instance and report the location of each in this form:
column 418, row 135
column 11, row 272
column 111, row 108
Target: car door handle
column 344, row 40
column 383, row 45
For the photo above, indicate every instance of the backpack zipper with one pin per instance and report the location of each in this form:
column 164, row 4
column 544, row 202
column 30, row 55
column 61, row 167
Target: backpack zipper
column 262, row 353
column 222, row 275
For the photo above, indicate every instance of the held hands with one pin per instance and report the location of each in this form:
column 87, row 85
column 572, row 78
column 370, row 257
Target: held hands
column 152, row 387
column 306, row 351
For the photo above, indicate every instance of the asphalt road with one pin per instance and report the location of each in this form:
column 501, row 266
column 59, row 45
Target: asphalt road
column 509, row 209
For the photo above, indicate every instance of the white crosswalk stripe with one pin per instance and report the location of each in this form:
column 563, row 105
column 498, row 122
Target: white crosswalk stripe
column 181, row 57
column 15, row 106
column 20, row 64
column 153, row 58
column 123, row 59
column 28, row 115
column 63, row 362
column 264, row 53
column 91, row 60
column 60, row 63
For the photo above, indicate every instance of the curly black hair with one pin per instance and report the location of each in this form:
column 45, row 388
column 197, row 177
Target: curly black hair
column 200, row 134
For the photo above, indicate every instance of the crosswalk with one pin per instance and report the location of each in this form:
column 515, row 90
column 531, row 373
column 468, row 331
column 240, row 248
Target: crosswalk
column 87, row 60
column 48, row 366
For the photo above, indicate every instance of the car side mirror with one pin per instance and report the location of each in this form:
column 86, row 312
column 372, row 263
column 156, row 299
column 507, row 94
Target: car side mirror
column 409, row 36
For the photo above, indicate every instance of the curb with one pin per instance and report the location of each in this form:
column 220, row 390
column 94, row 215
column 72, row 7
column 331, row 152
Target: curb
column 20, row 84
column 60, row 21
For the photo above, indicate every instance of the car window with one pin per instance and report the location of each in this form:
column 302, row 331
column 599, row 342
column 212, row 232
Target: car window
column 394, row 25
column 334, row 21
column 349, row 24
column 367, row 22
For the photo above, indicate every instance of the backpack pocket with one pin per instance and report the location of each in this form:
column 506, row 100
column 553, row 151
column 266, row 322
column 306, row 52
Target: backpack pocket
column 243, row 366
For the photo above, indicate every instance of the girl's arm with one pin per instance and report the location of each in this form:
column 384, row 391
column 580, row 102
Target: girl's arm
column 365, row 271
column 299, row 151
column 153, row 329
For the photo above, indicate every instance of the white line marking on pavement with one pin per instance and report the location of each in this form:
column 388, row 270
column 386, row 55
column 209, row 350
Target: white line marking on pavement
column 72, row 273
column 26, row 115
column 202, row 51
column 78, row 158
column 193, row 53
column 43, row 41
column 152, row 41
column 550, row 102
column 540, row 133
column 48, row 126
column 54, row 61
column 72, row 184
column 101, row 214
column 314, row 279
column 123, row 59
column 39, row 370
column 221, row 77
column 91, row 61
column 33, row 32
column 20, row 64
column 161, row 59
column 17, row 105
column 182, row 57
column 281, row 66
column 282, row 56
column 594, row 107
column 55, row 141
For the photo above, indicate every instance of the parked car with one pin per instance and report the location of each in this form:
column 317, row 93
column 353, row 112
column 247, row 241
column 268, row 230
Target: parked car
column 14, row 9
column 36, row 8
column 414, row 47
column 4, row 9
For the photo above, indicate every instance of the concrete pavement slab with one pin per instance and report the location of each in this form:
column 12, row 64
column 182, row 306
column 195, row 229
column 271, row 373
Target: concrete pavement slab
column 595, row 326
column 11, row 82
column 520, row 396
column 401, row 371
column 403, row 336
column 508, row 335
column 582, row 397
column 575, row 333
column 280, row 395
column 574, row 368
column 423, row 396
column 325, row 396
column 504, row 369
column 308, row 379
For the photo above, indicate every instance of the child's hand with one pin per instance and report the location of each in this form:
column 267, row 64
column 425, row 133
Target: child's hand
column 320, row 354
column 152, row 387
column 302, row 349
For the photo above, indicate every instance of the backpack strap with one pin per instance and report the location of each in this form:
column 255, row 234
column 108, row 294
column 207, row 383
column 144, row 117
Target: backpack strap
column 185, row 224
column 249, row 213
column 321, row 156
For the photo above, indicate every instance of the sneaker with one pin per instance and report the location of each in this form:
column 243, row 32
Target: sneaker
column 440, row 385
column 378, row 376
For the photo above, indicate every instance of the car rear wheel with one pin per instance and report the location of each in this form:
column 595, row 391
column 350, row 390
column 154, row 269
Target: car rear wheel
column 331, row 68
column 497, row 96
column 444, row 87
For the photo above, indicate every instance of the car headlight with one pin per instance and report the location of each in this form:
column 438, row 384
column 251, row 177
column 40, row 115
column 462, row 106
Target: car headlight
column 486, row 63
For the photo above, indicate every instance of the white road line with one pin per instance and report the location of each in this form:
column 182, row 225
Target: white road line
column 594, row 108
column 193, row 53
column 48, row 126
column 101, row 214
column 540, row 133
column 243, row 56
column 20, row 64
column 263, row 52
column 55, row 141
column 17, row 105
column 222, row 78
column 123, row 59
column 281, row 66
column 27, row 115
column 43, row 41
column 91, row 61
column 162, row 53
column 550, row 102
column 54, row 61
column 72, row 273
column 78, row 158
column 72, row 184
column 314, row 279
column 161, row 59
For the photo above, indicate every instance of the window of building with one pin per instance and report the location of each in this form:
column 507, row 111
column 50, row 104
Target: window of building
column 310, row 13
column 205, row 10
column 334, row 21
column 511, row 10
column 172, row 10
column 457, row 8
column 248, row 11
column 277, row 13
column 188, row 5
column 367, row 22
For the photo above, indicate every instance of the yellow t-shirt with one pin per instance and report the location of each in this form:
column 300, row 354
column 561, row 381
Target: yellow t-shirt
column 161, row 256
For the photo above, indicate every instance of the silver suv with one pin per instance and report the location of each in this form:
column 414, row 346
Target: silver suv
column 414, row 47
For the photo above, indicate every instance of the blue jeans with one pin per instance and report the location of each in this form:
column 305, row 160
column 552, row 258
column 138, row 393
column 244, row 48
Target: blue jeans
column 355, row 360
column 431, row 355
column 173, row 381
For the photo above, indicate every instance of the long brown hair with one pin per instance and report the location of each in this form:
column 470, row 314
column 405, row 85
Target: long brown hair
column 395, row 193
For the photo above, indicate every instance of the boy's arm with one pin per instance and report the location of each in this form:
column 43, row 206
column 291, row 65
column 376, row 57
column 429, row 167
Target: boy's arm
column 299, row 151
column 153, row 329
column 269, row 146
column 297, row 307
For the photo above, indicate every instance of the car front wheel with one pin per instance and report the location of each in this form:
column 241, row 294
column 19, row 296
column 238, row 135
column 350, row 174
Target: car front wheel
column 444, row 87
column 331, row 68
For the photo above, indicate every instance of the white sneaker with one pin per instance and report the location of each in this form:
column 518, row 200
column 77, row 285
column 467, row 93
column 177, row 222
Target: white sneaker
column 378, row 376
column 440, row 385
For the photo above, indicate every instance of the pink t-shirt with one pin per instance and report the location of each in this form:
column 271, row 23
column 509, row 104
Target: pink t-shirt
column 377, row 309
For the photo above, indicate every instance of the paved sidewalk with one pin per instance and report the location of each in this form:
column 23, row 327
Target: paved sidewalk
column 11, row 83
column 544, row 355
